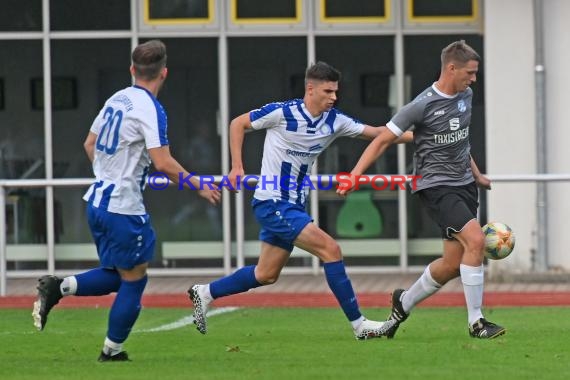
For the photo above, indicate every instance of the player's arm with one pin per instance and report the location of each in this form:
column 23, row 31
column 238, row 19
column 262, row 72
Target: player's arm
column 374, row 150
column 370, row 133
column 407, row 137
column 165, row 163
column 89, row 145
column 238, row 127
column 480, row 179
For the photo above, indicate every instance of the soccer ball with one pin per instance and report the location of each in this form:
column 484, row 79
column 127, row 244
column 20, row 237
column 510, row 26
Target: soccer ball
column 499, row 240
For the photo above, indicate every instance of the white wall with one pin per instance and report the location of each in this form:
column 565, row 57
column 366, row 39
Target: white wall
column 510, row 121
column 511, row 125
column 557, row 59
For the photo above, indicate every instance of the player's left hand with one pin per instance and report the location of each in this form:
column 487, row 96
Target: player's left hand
column 483, row 181
column 235, row 176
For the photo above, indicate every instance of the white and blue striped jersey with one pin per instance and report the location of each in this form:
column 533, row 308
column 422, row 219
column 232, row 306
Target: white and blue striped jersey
column 293, row 141
column 130, row 122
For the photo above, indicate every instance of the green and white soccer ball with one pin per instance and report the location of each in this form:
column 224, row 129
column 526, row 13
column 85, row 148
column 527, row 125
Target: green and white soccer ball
column 499, row 240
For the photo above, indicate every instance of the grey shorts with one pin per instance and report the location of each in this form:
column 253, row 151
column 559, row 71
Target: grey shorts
column 451, row 207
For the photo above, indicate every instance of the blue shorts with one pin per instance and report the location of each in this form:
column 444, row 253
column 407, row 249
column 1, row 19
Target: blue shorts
column 123, row 241
column 281, row 222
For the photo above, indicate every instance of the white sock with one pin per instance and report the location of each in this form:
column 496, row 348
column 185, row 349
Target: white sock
column 69, row 286
column 357, row 322
column 111, row 348
column 472, row 279
column 424, row 287
column 204, row 292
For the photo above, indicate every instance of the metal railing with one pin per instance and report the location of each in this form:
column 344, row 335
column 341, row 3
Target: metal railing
column 239, row 216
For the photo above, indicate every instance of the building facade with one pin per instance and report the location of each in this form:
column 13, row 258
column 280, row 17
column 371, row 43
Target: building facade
column 226, row 57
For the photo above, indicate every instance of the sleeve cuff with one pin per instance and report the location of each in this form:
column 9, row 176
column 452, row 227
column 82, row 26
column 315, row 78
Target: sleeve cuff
column 394, row 128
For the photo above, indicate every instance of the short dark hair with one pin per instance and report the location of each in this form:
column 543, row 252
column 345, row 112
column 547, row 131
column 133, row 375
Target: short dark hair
column 148, row 59
column 322, row 71
column 458, row 52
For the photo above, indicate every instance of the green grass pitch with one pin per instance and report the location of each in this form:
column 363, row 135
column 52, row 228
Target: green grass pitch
column 288, row 343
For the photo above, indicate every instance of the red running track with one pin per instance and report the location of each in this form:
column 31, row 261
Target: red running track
column 306, row 300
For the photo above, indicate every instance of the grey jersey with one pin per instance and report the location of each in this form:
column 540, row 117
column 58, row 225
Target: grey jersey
column 441, row 136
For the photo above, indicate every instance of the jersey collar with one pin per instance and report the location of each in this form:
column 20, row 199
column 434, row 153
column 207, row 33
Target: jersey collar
column 442, row 94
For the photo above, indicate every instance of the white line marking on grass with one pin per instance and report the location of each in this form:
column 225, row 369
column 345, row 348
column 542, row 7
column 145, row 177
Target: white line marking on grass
column 189, row 320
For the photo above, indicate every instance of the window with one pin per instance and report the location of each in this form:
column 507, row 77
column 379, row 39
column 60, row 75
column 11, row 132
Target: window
column 363, row 94
column 63, row 92
column 1, row 94
column 171, row 12
column 259, row 76
column 375, row 89
column 266, row 11
column 354, row 11
column 422, row 63
column 21, row 131
column 21, row 15
column 190, row 97
column 90, row 15
column 442, row 11
column 80, row 91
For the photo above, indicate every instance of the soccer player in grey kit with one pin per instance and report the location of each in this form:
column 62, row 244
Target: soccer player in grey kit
column 447, row 188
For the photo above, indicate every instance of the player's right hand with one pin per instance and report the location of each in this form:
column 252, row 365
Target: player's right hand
column 214, row 196
column 346, row 184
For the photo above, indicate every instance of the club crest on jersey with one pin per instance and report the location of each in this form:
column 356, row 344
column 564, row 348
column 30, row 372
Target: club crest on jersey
column 325, row 129
column 461, row 106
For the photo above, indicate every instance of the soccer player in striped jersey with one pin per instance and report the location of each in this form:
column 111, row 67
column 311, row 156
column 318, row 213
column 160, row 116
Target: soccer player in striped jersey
column 129, row 132
column 447, row 188
column 298, row 131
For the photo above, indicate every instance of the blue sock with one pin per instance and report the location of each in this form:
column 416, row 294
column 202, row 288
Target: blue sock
column 97, row 282
column 125, row 309
column 240, row 281
column 342, row 288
